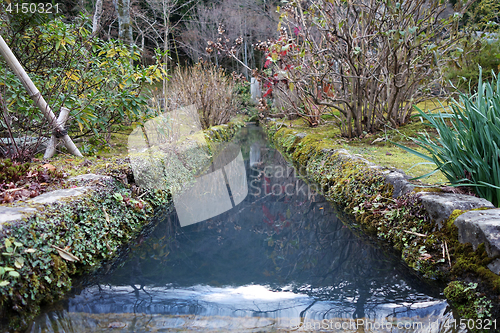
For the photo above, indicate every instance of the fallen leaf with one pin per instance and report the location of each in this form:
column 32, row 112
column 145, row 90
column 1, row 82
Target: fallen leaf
column 425, row 256
column 378, row 140
column 49, row 167
column 65, row 254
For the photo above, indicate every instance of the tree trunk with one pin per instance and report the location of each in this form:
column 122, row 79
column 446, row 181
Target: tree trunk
column 124, row 26
column 166, row 20
column 40, row 102
column 97, row 17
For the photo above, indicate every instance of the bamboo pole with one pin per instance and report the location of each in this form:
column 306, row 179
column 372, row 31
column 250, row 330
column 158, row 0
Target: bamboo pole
column 61, row 121
column 58, row 128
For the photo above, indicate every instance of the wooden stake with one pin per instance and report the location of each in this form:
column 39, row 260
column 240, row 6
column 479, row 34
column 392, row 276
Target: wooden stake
column 61, row 121
column 40, row 102
column 447, row 253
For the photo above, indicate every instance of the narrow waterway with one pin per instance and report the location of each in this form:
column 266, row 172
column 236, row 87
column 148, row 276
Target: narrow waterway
column 277, row 258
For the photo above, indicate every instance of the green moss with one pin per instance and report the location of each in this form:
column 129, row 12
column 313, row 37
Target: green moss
column 451, row 220
column 427, row 189
column 470, row 265
column 375, row 148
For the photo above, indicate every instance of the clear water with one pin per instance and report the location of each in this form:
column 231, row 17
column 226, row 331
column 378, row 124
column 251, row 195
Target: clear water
column 281, row 260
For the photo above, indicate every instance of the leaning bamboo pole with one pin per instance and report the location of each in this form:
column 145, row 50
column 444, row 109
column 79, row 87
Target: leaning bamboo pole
column 59, row 131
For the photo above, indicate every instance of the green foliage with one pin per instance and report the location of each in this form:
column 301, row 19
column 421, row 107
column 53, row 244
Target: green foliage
column 10, row 251
column 91, row 229
column 464, row 298
column 97, row 80
column 484, row 15
column 467, row 149
column 466, row 71
column 11, row 171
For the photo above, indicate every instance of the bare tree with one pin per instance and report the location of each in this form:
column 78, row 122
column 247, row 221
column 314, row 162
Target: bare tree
column 245, row 20
column 368, row 60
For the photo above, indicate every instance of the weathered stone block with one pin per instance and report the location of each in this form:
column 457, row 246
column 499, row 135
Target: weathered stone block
column 54, row 196
column 494, row 266
column 399, row 181
column 441, row 205
column 8, row 214
column 481, row 226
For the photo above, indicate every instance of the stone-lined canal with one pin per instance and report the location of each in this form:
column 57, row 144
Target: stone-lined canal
column 278, row 259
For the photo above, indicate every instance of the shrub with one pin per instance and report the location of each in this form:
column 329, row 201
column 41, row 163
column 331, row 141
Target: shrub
column 483, row 53
column 97, row 80
column 208, row 88
column 467, row 148
column 365, row 62
column 12, row 172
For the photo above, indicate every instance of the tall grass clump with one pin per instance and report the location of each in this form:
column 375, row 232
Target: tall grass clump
column 467, row 147
column 208, row 88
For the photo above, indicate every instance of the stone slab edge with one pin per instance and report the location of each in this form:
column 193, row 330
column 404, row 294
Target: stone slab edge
column 24, row 210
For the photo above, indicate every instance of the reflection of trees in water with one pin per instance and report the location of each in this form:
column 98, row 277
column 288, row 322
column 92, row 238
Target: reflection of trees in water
column 271, row 238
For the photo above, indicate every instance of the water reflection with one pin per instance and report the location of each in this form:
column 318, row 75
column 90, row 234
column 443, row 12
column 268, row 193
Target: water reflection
column 169, row 152
column 278, row 261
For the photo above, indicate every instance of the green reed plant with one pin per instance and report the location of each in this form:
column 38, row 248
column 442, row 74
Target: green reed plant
column 467, row 147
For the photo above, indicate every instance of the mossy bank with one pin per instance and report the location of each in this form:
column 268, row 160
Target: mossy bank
column 393, row 210
column 58, row 241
